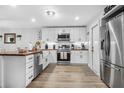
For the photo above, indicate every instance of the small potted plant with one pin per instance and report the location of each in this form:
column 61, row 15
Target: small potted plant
column 38, row 45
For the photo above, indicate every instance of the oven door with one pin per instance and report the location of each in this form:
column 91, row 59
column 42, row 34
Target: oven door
column 63, row 56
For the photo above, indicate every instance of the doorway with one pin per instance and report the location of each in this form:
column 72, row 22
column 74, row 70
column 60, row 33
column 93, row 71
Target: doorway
column 95, row 52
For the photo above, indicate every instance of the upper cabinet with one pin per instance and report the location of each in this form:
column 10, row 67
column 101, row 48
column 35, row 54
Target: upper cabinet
column 77, row 34
column 49, row 35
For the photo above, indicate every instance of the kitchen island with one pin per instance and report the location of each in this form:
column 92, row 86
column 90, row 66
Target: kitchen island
column 15, row 53
column 17, row 69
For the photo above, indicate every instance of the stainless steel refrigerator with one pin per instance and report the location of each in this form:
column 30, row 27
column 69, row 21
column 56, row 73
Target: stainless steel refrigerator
column 112, row 50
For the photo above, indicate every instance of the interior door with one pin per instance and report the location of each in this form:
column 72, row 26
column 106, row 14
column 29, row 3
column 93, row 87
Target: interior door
column 95, row 49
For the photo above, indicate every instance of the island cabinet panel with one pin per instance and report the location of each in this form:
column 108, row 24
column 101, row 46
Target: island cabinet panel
column 18, row 71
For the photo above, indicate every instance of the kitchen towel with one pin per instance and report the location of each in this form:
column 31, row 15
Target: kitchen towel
column 61, row 55
column 65, row 55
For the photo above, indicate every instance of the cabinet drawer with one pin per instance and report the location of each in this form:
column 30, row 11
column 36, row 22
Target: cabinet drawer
column 29, row 78
column 29, row 67
column 29, row 58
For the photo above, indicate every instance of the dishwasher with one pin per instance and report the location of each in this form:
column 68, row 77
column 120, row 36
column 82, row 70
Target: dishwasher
column 37, row 64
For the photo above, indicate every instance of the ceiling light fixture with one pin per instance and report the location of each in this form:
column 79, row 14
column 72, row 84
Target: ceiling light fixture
column 76, row 18
column 50, row 12
column 33, row 20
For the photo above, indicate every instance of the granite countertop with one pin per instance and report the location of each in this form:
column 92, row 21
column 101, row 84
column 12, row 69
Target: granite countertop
column 14, row 53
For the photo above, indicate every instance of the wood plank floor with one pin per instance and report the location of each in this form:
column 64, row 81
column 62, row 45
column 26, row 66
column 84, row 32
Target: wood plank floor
column 67, row 76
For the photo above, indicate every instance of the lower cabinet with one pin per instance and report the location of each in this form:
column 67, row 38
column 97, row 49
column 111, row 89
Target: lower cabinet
column 1, row 72
column 53, row 56
column 45, row 59
column 79, row 56
column 18, row 71
column 50, row 55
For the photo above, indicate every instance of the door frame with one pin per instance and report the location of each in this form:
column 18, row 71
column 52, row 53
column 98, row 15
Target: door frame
column 92, row 40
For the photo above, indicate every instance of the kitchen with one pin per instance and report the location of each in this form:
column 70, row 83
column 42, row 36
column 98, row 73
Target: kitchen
column 57, row 44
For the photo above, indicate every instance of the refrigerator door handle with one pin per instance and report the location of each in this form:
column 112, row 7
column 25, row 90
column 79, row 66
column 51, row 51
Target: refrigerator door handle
column 115, row 68
column 112, row 67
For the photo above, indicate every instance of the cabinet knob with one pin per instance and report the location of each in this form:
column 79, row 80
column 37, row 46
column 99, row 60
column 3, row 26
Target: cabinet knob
column 81, row 56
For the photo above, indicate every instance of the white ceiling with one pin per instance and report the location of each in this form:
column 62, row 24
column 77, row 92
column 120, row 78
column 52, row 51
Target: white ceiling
column 21, row 15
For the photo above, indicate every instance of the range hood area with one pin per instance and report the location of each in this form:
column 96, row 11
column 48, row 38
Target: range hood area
column 62, row 46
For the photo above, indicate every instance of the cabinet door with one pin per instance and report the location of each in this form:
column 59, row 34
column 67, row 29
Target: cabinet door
column 79, row 57
column 46, row 56
column 75, row 57
column 82, row 34
column 49, row 34
column 71, row 35
column 1, row 69
column 45, row 35
column 72, row 57
column 75, row 35
column 53, row 56
column 85, row 56
column 54, row 34
column 50, row 56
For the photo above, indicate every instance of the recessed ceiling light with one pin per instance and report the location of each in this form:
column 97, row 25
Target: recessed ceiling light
column 33, row 20
column 76, row 18
column 13, row 5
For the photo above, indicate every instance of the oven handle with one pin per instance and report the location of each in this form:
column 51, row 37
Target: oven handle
column 112, row 67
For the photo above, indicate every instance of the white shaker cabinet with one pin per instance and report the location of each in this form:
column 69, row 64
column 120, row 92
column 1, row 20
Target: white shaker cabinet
column 78, row 34
column 79, row 56
column 45, row 35
column 49, row 35
column 53, row 56
column 18, row 71
column 50, row 56
column 45, row 59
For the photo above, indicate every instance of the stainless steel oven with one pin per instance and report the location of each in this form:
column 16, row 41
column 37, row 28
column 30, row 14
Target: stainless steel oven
column 63, row 54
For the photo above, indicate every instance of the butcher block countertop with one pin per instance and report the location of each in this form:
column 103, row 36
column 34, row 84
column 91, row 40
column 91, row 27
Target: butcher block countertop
column 79, row 50
column 14, row 53
column 48, row 49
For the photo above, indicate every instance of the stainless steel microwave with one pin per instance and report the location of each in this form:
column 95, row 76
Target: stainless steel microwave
column 64, row 37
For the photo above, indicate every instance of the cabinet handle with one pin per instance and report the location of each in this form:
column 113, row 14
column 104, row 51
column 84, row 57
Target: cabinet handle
column 30, row 58
column 46, row 59
column 30, row 67
column 30, row 77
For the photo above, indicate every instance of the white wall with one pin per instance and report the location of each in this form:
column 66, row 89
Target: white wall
column 28, row 35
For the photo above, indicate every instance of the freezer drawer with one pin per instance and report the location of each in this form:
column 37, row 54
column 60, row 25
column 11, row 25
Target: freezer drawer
column 112, row 75
column 105, row 72
column 117, row 77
